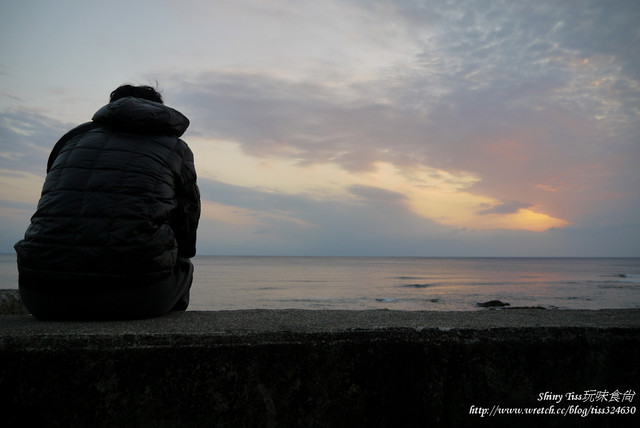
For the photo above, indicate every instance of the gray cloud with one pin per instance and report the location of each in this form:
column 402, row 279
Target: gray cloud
column 505, row 208
column 517, row 93
column 339, row 227
column 377, row 195
column 26, row 139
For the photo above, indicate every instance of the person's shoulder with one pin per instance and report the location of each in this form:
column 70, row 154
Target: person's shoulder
column 78, row 131
column 81, row 129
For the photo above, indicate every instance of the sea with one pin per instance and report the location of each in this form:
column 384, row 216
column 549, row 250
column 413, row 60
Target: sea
column 403, row 283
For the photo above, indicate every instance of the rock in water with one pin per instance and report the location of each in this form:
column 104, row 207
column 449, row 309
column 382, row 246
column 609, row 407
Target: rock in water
column 492, row 304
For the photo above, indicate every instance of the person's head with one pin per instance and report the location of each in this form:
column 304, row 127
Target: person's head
column 146, row 92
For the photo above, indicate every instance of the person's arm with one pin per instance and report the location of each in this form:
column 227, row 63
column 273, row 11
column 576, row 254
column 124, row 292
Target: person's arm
column 188, row 208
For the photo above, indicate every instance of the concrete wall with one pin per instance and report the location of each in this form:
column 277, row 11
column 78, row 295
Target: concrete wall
column 312, row 369
column 10, row 303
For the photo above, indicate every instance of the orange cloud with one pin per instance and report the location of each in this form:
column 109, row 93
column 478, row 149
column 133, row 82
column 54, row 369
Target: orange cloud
column 523, row 219
column 434, row 194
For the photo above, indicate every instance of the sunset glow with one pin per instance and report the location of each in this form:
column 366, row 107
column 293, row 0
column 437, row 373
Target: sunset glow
column 348, row 128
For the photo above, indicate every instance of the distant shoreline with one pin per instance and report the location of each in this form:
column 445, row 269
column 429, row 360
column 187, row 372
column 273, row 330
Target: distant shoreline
column 404, row 257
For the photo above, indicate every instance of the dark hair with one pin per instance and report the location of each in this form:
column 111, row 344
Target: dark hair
column 146, row 92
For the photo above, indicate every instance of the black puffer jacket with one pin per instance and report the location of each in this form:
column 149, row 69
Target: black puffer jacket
column 120, row 200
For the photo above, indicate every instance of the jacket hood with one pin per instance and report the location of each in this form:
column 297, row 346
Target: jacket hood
column 142, row 116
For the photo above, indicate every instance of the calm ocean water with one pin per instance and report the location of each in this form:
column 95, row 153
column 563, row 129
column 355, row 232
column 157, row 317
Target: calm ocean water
column 222, row 283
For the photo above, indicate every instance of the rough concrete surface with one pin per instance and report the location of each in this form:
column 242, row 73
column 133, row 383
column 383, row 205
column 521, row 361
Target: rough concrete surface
column 316, row 368
column 10, row 303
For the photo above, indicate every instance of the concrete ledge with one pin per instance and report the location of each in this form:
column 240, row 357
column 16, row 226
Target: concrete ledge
column 10, row 303
column 314, row 368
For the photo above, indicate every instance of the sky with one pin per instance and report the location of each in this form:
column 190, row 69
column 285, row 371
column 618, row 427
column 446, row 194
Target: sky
column 354, row 127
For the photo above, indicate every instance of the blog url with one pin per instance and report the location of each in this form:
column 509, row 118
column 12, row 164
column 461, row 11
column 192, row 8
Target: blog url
column 574, row 409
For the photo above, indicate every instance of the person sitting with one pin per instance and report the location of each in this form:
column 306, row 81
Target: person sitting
column 116, row 222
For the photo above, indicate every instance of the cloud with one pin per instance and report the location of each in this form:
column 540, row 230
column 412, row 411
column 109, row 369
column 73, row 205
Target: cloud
column 505, row 208
column 516, row 95
column 276, row 223
column 377, row 195
column 314, row 126
column 26, row 138
column 332, row 123
column 309, row 122
column 378, row 227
